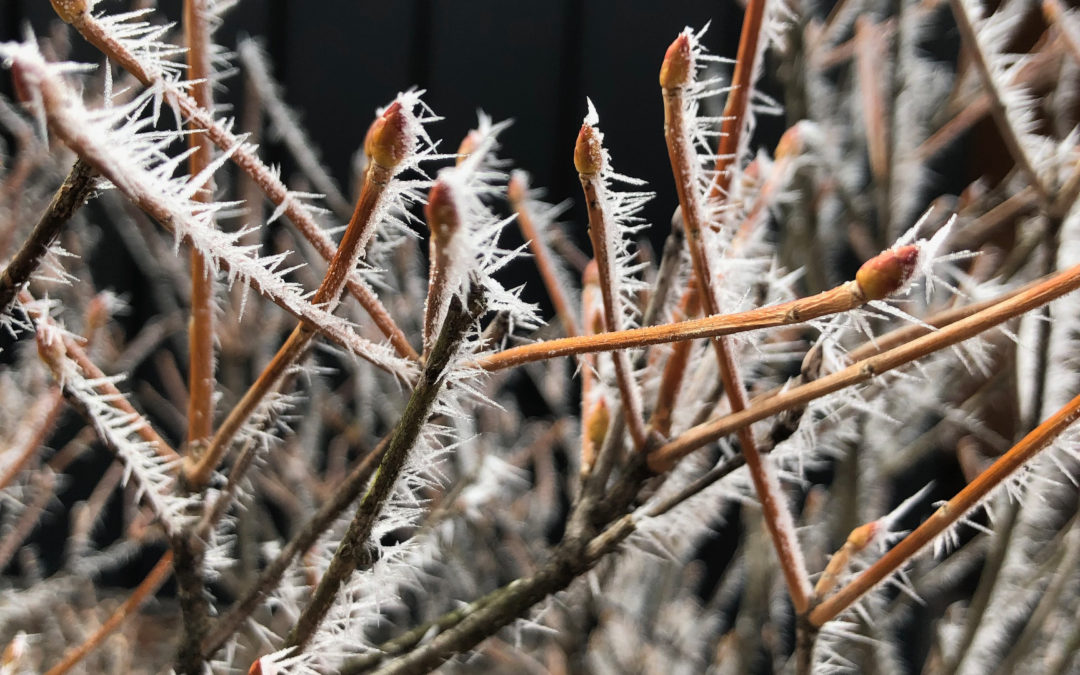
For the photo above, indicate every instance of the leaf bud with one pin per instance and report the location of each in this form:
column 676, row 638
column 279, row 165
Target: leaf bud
column 887, row 272
column 677, row 66
column 588, row 153
column 389, row 140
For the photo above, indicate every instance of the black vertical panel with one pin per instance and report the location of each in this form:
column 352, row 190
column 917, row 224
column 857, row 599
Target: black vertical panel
column 341, row 59
column 623, row 46
column 502, row 58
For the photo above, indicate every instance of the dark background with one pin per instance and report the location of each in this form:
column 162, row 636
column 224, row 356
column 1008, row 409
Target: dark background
column 534, row 62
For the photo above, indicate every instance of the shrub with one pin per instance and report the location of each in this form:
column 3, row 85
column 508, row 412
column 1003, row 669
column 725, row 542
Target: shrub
column 725, row 466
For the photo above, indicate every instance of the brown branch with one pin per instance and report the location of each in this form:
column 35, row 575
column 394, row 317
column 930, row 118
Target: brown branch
column 143, row 592
column 76, row 189
column 1014, row 305
column 76, row 13
column 949, row 514
column 201, row 328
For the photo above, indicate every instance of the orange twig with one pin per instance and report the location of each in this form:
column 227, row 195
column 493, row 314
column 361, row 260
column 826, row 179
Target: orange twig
column 517, row 191
column 76, row 13
column 949, row 513
column 201, row 329
column 1014, row 305
column 143, row 592
column 839, row 299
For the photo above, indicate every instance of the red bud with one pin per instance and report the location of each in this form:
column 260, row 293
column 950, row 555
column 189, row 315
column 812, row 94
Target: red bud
column 588, row 153
column 675, row 71
column 887, row 272
column 441, row 211
column 388, row 141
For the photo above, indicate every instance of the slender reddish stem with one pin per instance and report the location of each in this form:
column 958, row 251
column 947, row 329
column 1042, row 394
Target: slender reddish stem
column 635, row 421
column 197, row 471
column 839, row 299
column 1037, row 295
column 948, row 514
column 143, row 592
column 542, row 256
column 250, row 163
column 201, row 328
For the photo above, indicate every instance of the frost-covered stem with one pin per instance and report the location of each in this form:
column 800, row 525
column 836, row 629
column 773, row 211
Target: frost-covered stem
column 1014, row 305
column 675, row 74
column 51, row 356
column 143, row 592
column 839, row 299
column 197, row 470
column 997, row 106
column 201, row 381
column 354, row 551
column 89, row 27
column 517, row 192
column 588, row 172
column 485, row 616
column 949, row 513
column 344, row 495
column 51, row 403
column 76, row 189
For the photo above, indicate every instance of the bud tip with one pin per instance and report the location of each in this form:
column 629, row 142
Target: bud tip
column 675, row 71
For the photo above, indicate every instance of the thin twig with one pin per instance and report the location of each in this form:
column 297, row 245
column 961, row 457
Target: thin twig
column 143, row 592
column 839, row 299
column 80, row 17
column 518, row 193
column 77, row 188
column 353, row 551
column 949, row 514
column 201, row 382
